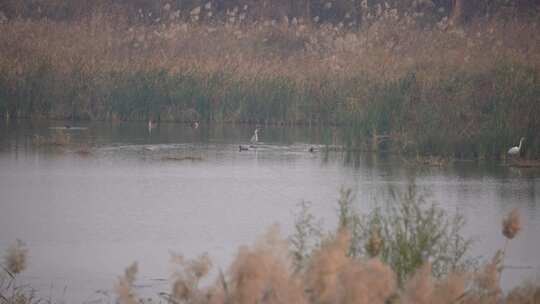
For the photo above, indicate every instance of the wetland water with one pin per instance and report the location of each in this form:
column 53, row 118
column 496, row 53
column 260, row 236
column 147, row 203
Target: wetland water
column 86, row 216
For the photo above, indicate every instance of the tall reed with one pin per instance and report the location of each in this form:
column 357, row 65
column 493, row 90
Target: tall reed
column 430, row 88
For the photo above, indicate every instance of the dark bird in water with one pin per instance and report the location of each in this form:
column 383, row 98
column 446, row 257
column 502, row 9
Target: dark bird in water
column 67, row 126
column 242, row 148
column 311, row 149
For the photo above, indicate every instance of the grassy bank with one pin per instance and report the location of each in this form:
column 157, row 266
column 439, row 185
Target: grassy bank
column 468, row 91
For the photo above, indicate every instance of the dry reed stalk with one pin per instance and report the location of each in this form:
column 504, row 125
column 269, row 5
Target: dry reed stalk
column 420, row 288
column 326, row 265
column 185, row 281
column 124, row 286
column 367, row 282
column 264, row 274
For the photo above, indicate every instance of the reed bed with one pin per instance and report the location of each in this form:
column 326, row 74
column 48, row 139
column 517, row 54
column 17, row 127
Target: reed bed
column 435, row 89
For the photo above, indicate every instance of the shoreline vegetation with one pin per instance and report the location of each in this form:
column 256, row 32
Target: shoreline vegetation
column 421, row 78
column 406, row 251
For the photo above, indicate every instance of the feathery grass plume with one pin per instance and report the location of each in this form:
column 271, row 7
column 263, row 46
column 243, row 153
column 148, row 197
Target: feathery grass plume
column 14, row 263
column 185, row 286
column 452, row 288
column 511, row 224
column 366, row 282
column 15, row 258
column 124, row 286
column 375, row 243
column 219, row 293
column 419, row 289
column 264, row 273
column 527, row 293
column 325, row 267
column 423, row 288
column 487, row 280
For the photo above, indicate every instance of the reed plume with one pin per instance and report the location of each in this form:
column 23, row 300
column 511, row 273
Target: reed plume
column 124, row 286
column 511, row 224
column 16, row 258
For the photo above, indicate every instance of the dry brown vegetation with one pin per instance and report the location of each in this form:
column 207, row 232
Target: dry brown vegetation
column 264, row 273
column 15, row 262
column 432, row 87
column 58, row 138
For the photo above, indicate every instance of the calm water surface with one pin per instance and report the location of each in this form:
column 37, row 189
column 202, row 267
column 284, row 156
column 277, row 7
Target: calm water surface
column 84, row 217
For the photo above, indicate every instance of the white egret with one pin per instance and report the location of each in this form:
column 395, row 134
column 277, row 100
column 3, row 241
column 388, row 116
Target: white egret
column 255, row 137
column 516, row 150
column 151, row 124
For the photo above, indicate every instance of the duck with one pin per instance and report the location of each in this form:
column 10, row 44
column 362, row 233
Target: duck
column 242, row 148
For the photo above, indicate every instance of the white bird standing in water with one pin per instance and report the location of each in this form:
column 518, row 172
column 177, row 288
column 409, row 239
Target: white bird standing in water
column 255, row 137
column 516, row 150
column 151, row 125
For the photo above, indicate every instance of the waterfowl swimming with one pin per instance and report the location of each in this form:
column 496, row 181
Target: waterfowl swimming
column 311, row 149
column 242, row 148
column 150, row 148
column 255, row 137
column 515, row 150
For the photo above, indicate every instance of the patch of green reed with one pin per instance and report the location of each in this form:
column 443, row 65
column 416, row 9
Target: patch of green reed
column 34, row 91
column 485, row 113
column 405, row 232
column 213, row 97
column 323, row 99
column 138, row 95
column 5, row 96
column 261, row 99
column 379, row 108
column 467, row 114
